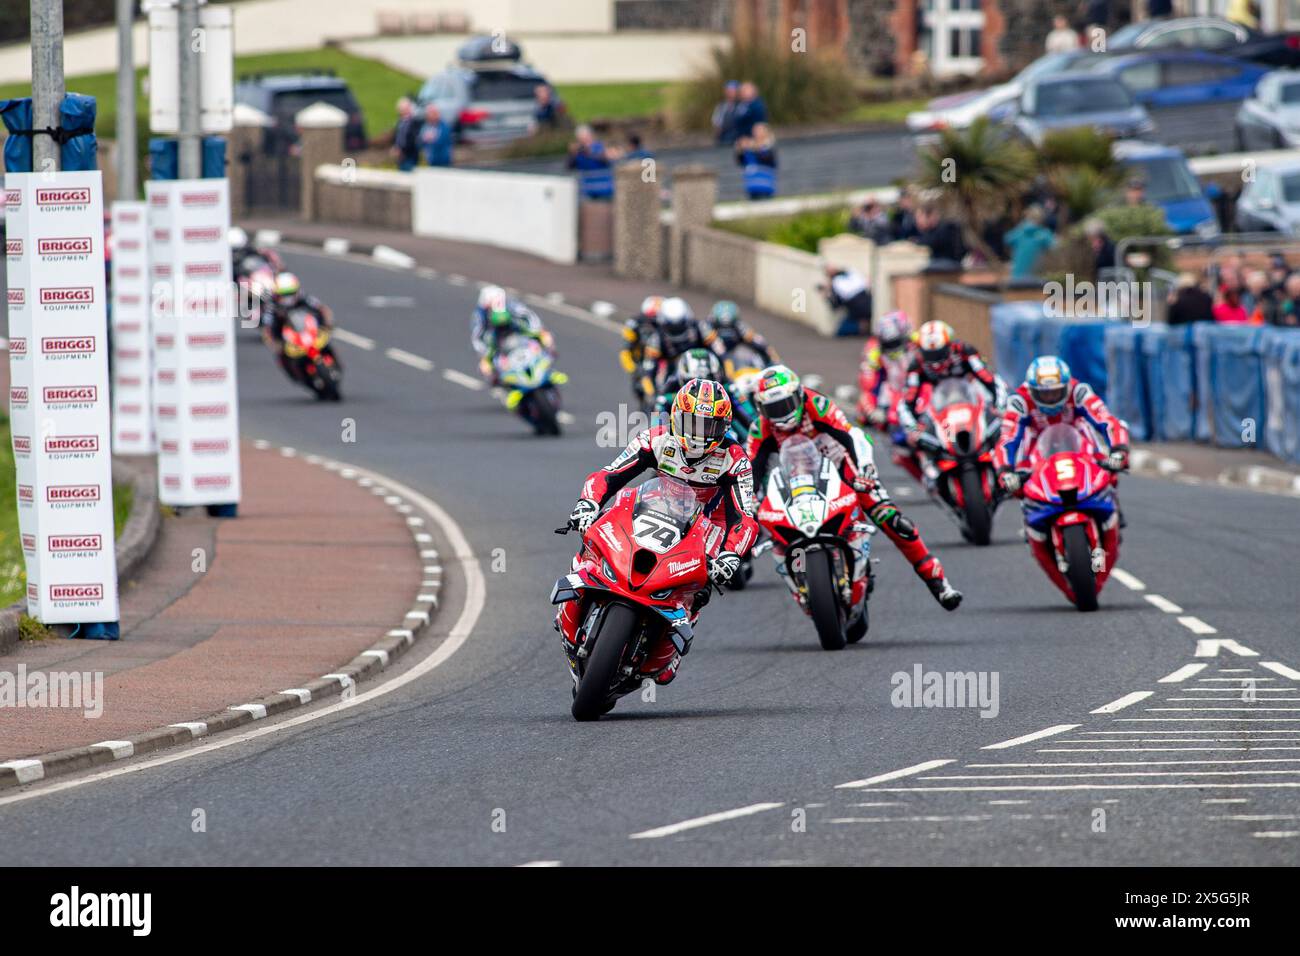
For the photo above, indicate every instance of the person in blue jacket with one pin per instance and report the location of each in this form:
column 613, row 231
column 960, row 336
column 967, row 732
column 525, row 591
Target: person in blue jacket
column 756, row 155
column 750, row 111
column 435, row 138
column 588, row 156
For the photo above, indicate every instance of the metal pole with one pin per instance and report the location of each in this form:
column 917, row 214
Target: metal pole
column 47, row 79
column 126, row 146
column 190, row 138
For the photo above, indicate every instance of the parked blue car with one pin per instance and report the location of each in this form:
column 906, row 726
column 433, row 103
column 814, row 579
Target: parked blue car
column 1170, row 186
column 1165, row 78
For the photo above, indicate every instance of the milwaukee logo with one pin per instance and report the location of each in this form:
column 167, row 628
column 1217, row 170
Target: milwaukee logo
column 71, row 443
column 29, row 542
column 66, row 196
column 69, row 394
column 172, row 481
column 76, row 592
column 68, row 295
column 214, row 410
column 203, row 268
column 75, row 542
column 207, row 376
column 209, row 198
column 166, row 376
column 127, row 298
column 206, row 234
column 74, row 493
column 82, row 345
column 17, row 296
column 129, row 381
column 158, row 199
column 129, row 325
column 80, row 245
column 128, row 272
column 162, row 270
column 130, row 408
column 13, row 247
column 208, row 446
column 128, row 355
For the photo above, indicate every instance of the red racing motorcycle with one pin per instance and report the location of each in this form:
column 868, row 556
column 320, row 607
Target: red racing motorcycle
column 959, row 443
column 640, row 581
column 1071, row 515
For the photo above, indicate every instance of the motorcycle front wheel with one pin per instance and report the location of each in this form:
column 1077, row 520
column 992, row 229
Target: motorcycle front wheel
column 979, row 516
column 618, row 626
column 1078, row 556
column 823, row 601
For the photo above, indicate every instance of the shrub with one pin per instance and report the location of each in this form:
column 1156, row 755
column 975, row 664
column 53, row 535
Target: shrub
column 801, row 231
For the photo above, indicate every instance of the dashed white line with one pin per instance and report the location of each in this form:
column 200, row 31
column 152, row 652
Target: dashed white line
column 1123, row 702
column 407, row 358
column 1027, row 738
column 895, row 774
column 1184, row 672
column 466, row 381
column 1126, row 579
column 1166, row 605
column 356, row 341
column 704, row 821
column 1276, row 834
column 1196, row 625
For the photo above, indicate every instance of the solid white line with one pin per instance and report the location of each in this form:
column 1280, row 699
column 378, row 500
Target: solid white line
column 894, row 774
column 1196, row 625
column 1226, row 800
column 1278, row 834
column 703, row 821
column 541, row 863
column 1199, row 785
column 1123, row 702
column 1129, row 763
column 1169, row 607
column 356, row 341
column 475, row 601
column 1121, row 750
column 1184, row 672
column 1247, row 709
column 1114, row 773
column 1036, row 735
column 406, row 358
column 1282, row 669
column 1126, row 579
column 460, row 378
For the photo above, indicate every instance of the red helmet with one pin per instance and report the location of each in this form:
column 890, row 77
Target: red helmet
column 935, row 343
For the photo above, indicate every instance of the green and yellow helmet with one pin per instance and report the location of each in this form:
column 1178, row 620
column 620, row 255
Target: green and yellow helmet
column 780, row 397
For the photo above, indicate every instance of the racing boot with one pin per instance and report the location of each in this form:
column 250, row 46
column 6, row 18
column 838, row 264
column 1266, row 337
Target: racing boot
column 931, row 572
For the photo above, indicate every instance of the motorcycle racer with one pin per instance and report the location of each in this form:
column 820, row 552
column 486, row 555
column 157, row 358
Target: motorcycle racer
column 635, row 332
column 694, row 447
column 676, row 331
column 725, row 321
column 1051, row 396
column 882, row 377
column 288, row 295
column 941, row 355
column 498, row 317
column 786, row 408
column 701, row 363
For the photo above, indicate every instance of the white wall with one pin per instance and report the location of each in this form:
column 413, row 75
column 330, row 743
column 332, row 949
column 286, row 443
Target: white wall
column 785, row 284
column 534, row 214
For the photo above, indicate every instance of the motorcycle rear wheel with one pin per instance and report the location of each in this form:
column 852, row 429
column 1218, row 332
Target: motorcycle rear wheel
column 618, row 625
column 545, row 414
column 979, row 516
column 858, row 629
column 823, row 601
column 1078, row 556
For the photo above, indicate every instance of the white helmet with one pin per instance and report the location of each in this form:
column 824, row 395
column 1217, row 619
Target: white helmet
column 489, row 295
column 237, row 238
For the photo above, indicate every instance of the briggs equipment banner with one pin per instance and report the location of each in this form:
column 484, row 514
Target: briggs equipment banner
column 133, row 432
column 59, row 365
column 195, row 398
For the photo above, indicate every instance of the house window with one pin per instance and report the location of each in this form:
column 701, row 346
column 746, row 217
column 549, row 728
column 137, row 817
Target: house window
column 951, row 35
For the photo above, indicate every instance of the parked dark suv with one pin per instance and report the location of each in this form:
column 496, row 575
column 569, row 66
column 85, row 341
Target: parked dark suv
column 283, row 95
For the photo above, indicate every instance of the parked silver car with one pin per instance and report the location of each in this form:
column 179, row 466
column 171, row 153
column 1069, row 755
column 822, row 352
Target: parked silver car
column 1073, row 100
column 1271, row 201
column 488, row 96
column 1271, row 118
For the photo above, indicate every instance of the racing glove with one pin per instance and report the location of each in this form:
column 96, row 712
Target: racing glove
column 1010, row 481
column 1118, row 459
column 723, row 567
column 583, row 514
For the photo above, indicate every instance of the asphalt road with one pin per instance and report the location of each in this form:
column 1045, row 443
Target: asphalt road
column 479, row 762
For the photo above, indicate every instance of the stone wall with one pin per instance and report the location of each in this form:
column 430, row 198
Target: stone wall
column 367, row 204
column 672, row 15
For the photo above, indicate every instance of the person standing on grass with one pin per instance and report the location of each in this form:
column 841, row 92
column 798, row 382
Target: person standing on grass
column 587, row 155
column 435, row 138
column 406, row 146
column 724, row 114
column 750, row 112
column 756, row 154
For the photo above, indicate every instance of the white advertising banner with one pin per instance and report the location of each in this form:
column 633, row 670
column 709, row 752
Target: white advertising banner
column 59, row 399
column 195, row 395
column 132, row 365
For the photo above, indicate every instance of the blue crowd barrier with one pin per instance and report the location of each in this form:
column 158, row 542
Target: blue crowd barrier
column 1178, row 377
column 1129, row 396
column 1281, row 357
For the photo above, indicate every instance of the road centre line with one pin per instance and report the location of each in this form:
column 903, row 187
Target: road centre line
column 1196, row 625
column 704, row 821
column 1169, row 607
column 408, row 358
column 460, row 378
column 356, row 341
column 1126, row 579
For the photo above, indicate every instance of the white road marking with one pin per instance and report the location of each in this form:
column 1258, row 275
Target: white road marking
column 1184, row 672
column 1123, row 702
column 564, row 418
column 1210, row 647
column 1111, row 773
column 1246, row 709
column 407, row 358
column 461, row 629
column 1200, row 785
column 389, row 256
column 1226, row 800
column 573, row 312
column 964, row 818
column 1027, row 738
column 1196, row 625
column 1166, row 605
column 1231, row 680
column 1258, row 817
column 390, row 302
column 541, row 863
column 704, row 821
column 894, row 774
column 1128, row 763
column 1120, row 750
column 356, row 341
column 1282, row 669
column 1276, row 834
column 1126, row 579
column 456, row 279
column 882, row 803
column 466, row 381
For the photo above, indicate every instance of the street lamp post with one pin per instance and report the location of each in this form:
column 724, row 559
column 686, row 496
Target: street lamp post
column 47, row 80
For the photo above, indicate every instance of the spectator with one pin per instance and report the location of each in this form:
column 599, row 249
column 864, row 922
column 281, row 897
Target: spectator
column 750, row 111
column 1135, row 193
column 636, row 149
column 847, row 289
column 941, row 237
column 1288, row 310
column 406, row 145
column 1027, row 242
column 435, row 138
column 1190, row 302
column 757, row 155
column 587, row 155
column 1160, row 8
column 1228, row 309
column 548, row 111
column 724, row 114
column 1244, row 12
column 870, row 221
column 1096, row 15
column 1062, row 39
column 1103, row 249
column 903, row 218
column 1256, row 299
column 1278, row 271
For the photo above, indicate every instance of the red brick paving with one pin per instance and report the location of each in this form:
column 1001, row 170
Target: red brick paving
column 314, row 570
